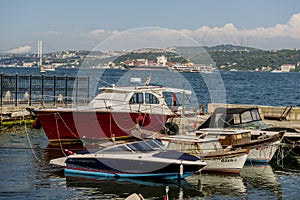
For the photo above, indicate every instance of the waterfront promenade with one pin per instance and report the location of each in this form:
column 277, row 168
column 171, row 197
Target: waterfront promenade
column 19, row 92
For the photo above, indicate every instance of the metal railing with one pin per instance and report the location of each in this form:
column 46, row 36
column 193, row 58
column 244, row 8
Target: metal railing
column 40, row 89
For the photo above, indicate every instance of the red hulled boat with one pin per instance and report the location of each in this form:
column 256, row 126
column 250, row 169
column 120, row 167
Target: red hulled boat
column 113, row 113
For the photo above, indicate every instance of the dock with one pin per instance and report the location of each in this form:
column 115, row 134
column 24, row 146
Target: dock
column 20, row 92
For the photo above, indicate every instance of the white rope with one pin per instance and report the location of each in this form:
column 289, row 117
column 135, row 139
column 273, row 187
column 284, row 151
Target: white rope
column 29, row 142
column 58, row 134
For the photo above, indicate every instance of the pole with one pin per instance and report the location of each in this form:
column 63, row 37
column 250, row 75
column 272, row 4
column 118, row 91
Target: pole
column 54, row 90
column 16, row 92
column 76, row 92
column 30, row 88
column 66, row 90
column 88, row 88
column 42, row 90
column 1, row 101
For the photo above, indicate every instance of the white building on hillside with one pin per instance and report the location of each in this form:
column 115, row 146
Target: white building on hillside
column 287, row 67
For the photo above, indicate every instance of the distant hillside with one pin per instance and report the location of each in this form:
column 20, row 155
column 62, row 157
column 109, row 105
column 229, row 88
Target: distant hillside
column 224, row 57
column 230, row 47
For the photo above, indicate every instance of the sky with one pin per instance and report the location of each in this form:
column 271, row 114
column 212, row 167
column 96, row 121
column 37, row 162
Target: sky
column 84, row 24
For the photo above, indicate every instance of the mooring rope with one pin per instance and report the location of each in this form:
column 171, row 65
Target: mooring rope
column 58, row 134
column 29, row 142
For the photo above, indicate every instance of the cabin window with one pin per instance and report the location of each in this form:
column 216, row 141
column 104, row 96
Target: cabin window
column 255, row 115
column 151, row 99
column 155, row 144
column 137, row 98
column 191, row 149
column 206, row 147
column 236, row 118
column 217, row 146
column 117, row 149
column 175, row 146
column 140, row 146
column 246, row 117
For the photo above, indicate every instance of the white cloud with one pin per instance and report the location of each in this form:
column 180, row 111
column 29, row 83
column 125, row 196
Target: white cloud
column 23, row 49
column 278, row 36
column 47, row 33
column 231, row 34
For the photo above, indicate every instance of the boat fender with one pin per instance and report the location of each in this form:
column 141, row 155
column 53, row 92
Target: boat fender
column 69, row 152
column 180, row 171
column 140, row 120
column 37, row 124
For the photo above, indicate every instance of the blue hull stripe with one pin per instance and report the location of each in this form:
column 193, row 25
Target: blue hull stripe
column 257, row 160
column 127, row 175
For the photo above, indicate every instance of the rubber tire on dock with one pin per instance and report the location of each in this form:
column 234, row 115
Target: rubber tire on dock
column 170, row 128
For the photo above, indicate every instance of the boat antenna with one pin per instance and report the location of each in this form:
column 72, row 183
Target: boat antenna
column 148, row 80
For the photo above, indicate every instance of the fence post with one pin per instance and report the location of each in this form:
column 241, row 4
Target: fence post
column 1, row 92
column 76, row 96
column 16, row 92
column 54, row 90
column 88, row 88
column 66, row 90
column 42, row 90
column 30, row 88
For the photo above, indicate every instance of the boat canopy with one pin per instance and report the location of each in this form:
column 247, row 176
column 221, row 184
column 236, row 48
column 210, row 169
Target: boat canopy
column 146, row 88
column 234, row 117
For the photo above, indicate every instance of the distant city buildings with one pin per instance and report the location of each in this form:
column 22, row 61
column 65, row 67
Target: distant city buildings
column 226, row 57
column 285, row 68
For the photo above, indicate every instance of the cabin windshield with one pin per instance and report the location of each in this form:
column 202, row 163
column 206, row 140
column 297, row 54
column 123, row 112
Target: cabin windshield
column 109, row 98
column 246, row 117
column 141, row 146
column 141, row 98
column 249, row 116
column 191, row 149
column 116, row 149
column 255, row 115
column 155, row 144
column 207, row 147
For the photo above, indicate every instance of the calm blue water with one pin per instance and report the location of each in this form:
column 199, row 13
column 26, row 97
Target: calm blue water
column 258, row 88
column 25, row 152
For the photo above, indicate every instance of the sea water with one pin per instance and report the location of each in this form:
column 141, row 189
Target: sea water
column 25, row 152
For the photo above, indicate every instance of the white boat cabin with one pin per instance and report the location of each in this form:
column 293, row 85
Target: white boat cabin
column 192, row 145
column 146, row 99
column 227, row 137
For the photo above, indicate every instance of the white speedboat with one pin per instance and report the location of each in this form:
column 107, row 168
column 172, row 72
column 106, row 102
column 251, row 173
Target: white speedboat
column 142, row 159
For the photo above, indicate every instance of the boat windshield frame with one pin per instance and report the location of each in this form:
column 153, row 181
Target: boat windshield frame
column 135, row 147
